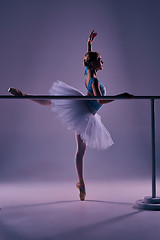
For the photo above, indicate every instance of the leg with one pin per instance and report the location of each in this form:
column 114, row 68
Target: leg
column 81, row 149
column 17, row 92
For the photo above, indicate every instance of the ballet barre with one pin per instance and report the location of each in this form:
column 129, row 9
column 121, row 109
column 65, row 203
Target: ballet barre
column 149, row 202
column 77, row 97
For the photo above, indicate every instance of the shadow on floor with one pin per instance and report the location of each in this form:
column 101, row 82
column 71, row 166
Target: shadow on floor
column 69, row 201
column 82, row 232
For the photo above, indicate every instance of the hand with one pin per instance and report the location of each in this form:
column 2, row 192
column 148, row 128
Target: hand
column 127, row 95
column 92, row 36
column 15, row 92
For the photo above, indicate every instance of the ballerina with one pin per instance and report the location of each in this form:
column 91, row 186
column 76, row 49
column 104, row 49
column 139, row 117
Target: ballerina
column 81, row 115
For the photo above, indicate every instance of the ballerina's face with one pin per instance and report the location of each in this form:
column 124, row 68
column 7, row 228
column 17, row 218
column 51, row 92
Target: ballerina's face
column 98, row 65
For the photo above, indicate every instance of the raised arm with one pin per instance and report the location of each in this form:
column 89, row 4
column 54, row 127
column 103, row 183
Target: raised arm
column 90, row 40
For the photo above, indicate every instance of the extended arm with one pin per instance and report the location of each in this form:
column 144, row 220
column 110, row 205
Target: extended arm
column 90, row 40
column 97, row 92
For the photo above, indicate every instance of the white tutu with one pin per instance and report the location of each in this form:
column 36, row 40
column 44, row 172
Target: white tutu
column 80, row 117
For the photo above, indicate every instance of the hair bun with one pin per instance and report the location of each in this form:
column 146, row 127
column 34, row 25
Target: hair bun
column 90, row 57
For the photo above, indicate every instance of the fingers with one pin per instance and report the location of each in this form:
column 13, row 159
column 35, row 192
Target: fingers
column 131, row 96
column 128, row 95
column 92, row 32
column 92, row 35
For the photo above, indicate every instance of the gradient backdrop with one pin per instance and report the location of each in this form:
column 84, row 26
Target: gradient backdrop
column 45, row 40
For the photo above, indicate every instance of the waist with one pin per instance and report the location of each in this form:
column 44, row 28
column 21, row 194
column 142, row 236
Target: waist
column 94, row 106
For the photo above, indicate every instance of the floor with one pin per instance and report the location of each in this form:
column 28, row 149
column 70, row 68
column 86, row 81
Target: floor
column 52, row 211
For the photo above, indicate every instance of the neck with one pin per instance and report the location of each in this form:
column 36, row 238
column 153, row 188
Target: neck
column 94, row 73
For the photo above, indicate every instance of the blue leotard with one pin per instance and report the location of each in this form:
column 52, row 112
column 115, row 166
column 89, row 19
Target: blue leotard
column 94, row 104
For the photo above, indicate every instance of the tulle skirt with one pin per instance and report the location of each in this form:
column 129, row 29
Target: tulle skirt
column 80, row 116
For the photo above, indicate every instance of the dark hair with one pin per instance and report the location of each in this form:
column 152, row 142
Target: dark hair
column 90, row 57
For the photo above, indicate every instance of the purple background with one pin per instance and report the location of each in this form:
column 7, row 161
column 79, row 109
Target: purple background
column 42, row 41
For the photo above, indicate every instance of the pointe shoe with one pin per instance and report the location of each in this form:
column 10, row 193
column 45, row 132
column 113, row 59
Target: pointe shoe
column 15, row 92
column 82, row 192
